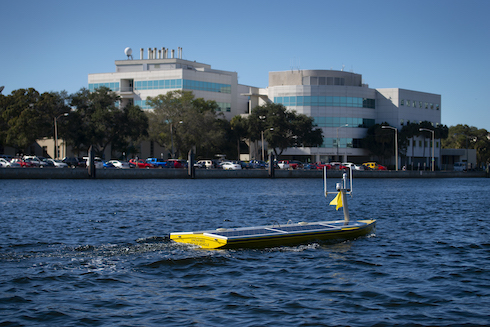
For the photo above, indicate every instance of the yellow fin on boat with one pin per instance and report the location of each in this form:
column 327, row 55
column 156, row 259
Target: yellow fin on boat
column 337, row 201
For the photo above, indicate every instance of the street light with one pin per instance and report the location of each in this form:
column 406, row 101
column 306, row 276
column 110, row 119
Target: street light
column 338, row 140
column 433, row 134
column 396, row 144
column 56, row 134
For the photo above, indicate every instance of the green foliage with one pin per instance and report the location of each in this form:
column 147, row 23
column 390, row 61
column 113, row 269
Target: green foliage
column 282, row 129
column 186, row 123
column 98, row 122
column 26, row 115
column 469, row 137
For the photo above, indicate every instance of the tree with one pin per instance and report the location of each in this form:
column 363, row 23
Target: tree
column 178, row 121
column 27, row 116
column 380, row 142
column 469, row 137
column 97, row 121
column 282, row 129
column 239, row 130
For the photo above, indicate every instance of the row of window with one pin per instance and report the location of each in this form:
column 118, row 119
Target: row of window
column 169, row 84
column 343, row 121
column 329, row 142
column 158, row 84
column 113, row 86
column 223, row 106
column 326, row 101
column 419, row 104
column 425, row 144
column 314, row 80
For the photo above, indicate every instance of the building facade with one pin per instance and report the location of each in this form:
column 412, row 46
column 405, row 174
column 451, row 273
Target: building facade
column 344, row 108
column 163, row 71
column 339, row 102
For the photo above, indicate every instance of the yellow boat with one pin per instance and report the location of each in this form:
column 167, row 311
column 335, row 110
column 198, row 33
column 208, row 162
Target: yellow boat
column 286, row 234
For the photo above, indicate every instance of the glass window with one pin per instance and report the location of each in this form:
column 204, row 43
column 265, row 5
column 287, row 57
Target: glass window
column 402, row 102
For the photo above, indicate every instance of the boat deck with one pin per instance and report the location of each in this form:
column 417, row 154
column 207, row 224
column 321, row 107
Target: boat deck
column 262, row 236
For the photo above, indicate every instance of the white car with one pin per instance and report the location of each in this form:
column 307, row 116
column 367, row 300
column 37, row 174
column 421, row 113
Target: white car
column 57, row 163
column 353, row 166
column 120, row 164
column 283, row 164
column 98, row 163
column 228, row 165
column 4, row 163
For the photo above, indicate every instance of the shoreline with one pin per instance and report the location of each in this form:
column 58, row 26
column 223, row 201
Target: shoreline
column 79, row 173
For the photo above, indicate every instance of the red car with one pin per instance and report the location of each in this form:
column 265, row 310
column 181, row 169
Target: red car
column 22, row 163
column 140, row 163
column 320, row 165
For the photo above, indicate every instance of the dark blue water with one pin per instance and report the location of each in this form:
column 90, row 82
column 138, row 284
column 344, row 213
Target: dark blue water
column 96, row 253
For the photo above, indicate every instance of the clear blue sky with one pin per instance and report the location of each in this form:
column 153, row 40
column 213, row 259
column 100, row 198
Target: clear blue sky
column 437, row 47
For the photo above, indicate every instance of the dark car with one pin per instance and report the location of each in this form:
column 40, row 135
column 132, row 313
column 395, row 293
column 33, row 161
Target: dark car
column 71, row 162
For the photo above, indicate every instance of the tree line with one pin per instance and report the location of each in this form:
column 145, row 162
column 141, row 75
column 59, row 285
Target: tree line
column 179, row 122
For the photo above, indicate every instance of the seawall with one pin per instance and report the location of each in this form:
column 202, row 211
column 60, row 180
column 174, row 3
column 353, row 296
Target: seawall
column 78, row 173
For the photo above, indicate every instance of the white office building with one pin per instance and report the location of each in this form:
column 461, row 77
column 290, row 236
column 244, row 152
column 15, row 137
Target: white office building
column 344, row 108
column 340, row 103
column 164, row 70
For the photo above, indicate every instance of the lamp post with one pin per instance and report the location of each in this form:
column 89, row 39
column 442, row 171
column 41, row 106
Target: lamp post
column 338, row 140
column 396, row 144
column 56, row 134
column 433, row 135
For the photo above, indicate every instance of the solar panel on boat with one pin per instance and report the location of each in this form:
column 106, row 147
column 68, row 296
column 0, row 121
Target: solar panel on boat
column 276, row 230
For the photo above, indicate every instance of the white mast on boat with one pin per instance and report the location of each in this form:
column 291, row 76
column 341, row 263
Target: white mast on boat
column 344, row 188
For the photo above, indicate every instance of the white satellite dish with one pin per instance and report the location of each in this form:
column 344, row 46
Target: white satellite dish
column 128, row 52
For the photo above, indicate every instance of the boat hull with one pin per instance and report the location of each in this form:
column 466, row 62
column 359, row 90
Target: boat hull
column 276, row 235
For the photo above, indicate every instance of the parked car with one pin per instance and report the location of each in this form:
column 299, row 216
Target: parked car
column 230, row 165
column 22, row 163
column 459, row 166
column 4, row 163
column 320, row 165
column 310, row 165
column 374, row 166
column 206, row 163
column 98, row 163
column 34, row 161
column 283, row 164
column 258, row 164
column 245, row 164
column 141, row 163
column 72, row 162
column 353, row 166
column 177, row 163
column 57, row 163
column 158, row 162
column 120, row 164
column 46, row 162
